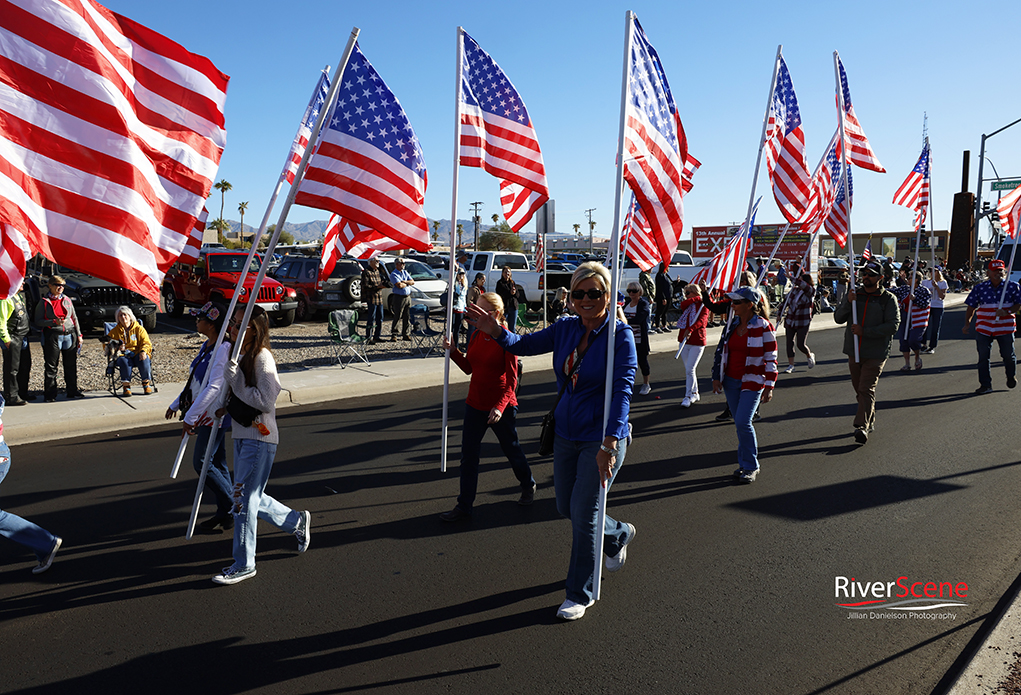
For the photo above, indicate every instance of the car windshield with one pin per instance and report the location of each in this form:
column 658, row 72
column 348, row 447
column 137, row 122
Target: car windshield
column 419, row 271
column 346, row 269
column 230, row 263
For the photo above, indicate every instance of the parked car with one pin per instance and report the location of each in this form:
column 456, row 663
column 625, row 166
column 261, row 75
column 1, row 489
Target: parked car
column 342, row 290
column 830, row 270
column 491, row 264
column 214, row 278
column 95, row 300
column 429, row 288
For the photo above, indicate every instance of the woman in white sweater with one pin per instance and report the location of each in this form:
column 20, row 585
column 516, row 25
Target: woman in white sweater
column 254, row 382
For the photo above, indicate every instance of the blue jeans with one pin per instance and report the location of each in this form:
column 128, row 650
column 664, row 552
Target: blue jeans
column 576, row 481
column 218, row 480
column 475, row 426
column 21, row 530
column 984, row 343
column 128, row 360
column 253, row 461
column 375, row 318
column 455, row 328
column 512, row 321
column 742, row 404
column 932, row 330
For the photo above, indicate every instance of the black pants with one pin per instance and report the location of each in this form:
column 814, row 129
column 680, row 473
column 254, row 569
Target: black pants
column 51, row 356
column 400, row 307
column 660, row 321
column 17, row 365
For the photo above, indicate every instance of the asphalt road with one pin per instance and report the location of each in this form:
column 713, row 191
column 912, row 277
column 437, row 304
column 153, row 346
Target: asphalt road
column 727, row 589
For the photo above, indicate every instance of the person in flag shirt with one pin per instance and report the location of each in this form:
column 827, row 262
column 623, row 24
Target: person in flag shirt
column 878, row 319
column 800, row 303
column 992, row 323
column 914, row 308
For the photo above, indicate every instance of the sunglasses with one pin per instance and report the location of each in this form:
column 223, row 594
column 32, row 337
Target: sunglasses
column 633, row 291
column 869, row 274
column 735, row 302
column 591, row 294
column 57, row 284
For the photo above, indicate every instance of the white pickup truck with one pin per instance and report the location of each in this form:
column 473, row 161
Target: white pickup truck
column 491, row 264
column 682, row 270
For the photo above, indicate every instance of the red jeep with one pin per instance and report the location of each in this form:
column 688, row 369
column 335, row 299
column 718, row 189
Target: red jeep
column 213, row 279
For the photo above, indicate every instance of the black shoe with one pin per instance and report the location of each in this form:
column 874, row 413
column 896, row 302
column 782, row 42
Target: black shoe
column 527, row 496
column 456, row 514
column 406, row 338
column 1011, row 382
column 51, row 400
column 861, row 435
column 393, row 339
column 724, row 416
column 19, row 401
column 76, row 394
column 217, row 523
column 981, row 390
column 756, row 417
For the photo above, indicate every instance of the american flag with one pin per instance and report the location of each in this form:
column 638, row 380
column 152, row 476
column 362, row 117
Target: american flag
column 866, row 254
column 914, row 192
column 655, row 147
column 345, row 237
column 110, row 138
column 838, row 224
column 824, row 183
column 636, row 241
column 190, row 255
column 785, row 149
column 724, row 270
column 497, row 135
column 859, row 151
column 308, row 122
column 368, row 166
column 540, row 254
column 1009, row 210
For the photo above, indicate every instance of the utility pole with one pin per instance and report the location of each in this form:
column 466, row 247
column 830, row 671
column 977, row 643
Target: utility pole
column 591, row 226
column 475, row 219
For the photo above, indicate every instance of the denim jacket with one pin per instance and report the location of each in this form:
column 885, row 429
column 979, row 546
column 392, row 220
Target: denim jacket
column 579, row 414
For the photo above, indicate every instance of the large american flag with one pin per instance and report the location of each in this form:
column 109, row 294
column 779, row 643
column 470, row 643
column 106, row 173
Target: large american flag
column 785, row 149
column 838, row 223
column 190, row 255
column 1009, row 210
column 308, row 122
column 724, row 270
column 655, row 147
column 636, row 241
column 345, row 237
column 368, row 165
column 859, row 151
column 110, row 139
column 497, row 135
column 825, row 180
column 914, row 192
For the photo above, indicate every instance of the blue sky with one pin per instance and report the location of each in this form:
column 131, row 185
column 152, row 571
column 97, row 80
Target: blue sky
column 565, row 58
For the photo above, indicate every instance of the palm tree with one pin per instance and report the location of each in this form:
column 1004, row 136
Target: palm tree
column 460, row 231
column 496, row 219
column 223, row 185
column 221, row 227
column 436, row 231
column 241, row 208
column 577, row 230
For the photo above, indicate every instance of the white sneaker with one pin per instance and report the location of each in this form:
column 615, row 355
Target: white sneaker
column 233, row 575
column 644, row 391
column 695, row 398
column 686, row 403
column 789, row 370
column 811, row 360
column 614, row 563
column 569, row 610
column 304, row 533
column 45, row 564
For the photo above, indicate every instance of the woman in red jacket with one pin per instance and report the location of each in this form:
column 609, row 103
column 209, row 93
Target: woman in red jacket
column 691, row 333
column 491, row 402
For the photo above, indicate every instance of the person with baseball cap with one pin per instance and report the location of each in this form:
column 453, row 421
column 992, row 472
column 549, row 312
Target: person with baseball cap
column 993, row 304
column 878, row 318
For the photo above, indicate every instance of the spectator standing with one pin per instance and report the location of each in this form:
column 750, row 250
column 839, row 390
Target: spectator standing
column 744, row 369
column 43, row 543
column 492, row 404
column 460, row 302
column 373, row 282
column 648, row 285
column 937, row 287
column 508, row 291
column 664, row 296
column 800, row 306
column 400, row 300
column 691, row 328
column 992, row 324
column 558, row 307
column 61, row 338
column 14, row 319
column 476, row 290
column 638, row 314
column 878, row 319
column 135, row 350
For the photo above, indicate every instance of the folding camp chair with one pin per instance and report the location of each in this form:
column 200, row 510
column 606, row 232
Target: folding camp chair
column 348, row 346
column 424, row 340
column 523, row 321
column 112, row 351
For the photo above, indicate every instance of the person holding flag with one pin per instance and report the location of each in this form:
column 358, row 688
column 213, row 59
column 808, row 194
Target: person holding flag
column 585, row 455
column 993, row 304
column 916, row 318
column 878, row 319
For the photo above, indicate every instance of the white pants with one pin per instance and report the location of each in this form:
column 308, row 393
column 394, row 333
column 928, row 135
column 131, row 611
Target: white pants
column 691, row 354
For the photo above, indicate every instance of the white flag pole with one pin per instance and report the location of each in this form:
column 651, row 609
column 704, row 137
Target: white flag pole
column 545, row 284
column 453, row 259
column 250, row 305
column 847, row 195
column 762, row 140
column 180, row 457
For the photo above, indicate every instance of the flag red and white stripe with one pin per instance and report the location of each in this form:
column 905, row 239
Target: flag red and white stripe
column 345, row 237
column 1009, row 210
column 838, row 223
column 369, row 169
column 655, row 146
column 497, row 135
column 825, row 181
column 859, row 151
column 637, row 239
column 540, row 254
column 724, row 270
column 110, row 139
column 308, row 121
column 15, row 252
column 785, row 149
column 190, row 255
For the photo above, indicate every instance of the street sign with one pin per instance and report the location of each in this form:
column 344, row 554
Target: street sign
column 1006, row 185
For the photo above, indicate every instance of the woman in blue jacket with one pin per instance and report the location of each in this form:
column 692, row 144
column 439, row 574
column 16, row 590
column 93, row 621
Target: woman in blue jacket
column 585, row 453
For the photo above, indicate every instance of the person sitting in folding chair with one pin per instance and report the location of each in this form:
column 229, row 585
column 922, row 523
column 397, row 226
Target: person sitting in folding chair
column 135, row 350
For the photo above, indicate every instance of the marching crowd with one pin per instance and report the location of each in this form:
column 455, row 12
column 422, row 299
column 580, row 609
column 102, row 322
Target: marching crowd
column 588, row 444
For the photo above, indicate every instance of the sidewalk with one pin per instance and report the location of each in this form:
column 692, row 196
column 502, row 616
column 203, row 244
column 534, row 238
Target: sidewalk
column 100, row 412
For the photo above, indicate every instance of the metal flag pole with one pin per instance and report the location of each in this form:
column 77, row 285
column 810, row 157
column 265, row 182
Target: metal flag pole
column 762, row 138
column 453, row 259
column 545, row 282
column 847, row 196
column 328, row 106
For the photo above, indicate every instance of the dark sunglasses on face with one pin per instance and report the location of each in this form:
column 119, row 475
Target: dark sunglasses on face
column 633, row 291
column 592, row 294
column 867, row 274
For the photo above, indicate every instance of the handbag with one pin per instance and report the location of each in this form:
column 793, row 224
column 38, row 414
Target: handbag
column 241, row 412
column 548, row 429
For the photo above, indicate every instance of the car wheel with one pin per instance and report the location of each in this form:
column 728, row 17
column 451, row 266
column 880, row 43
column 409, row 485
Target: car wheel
column 303, row 310
column 284, row 319
column 353, row 289
column 171, row 305
column 149, row 322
